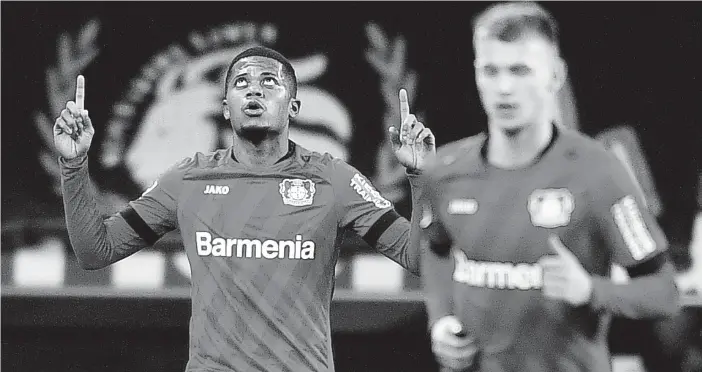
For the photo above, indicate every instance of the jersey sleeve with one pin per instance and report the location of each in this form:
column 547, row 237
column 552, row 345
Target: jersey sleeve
column 358, row 203
column 96, row 241
column 628, row 228
column 437, row 265
column 154, row 213
column 432, row 228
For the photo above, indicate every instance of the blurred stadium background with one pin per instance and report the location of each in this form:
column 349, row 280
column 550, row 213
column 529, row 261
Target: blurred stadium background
column 154, row 73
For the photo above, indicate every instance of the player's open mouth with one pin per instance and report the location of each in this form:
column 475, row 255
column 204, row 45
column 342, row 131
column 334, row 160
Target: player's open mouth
column 506, row 110
column 253, row 108
column 506, row 106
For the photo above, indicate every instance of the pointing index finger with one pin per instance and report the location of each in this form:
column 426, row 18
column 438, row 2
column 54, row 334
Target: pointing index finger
column 404, row 105
column 80, row 92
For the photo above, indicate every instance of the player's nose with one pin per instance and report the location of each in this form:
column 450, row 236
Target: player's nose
column 505, row 84
column 254, row 91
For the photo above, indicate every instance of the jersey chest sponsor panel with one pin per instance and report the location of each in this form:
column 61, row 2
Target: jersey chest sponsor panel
column 500, row 221
column 261, row 249
column 500, row 229
column 255, row 208
column 260, row 221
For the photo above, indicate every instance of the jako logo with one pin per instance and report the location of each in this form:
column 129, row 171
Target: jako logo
column 297, row 249
column 217, row 189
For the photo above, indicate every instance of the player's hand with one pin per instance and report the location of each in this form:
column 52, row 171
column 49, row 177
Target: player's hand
column 452, row 349
column 564, row 277
column 413, row 143
column 73, row 130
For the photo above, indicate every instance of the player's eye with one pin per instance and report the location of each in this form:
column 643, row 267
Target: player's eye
column 240, row 82
column 489, row 70
column 520, row 70
column 269, row 82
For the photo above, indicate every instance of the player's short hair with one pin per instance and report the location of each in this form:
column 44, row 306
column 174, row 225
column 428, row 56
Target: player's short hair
column 512, row 21
column 261, row 51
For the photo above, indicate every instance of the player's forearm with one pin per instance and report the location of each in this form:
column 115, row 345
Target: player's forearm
column 414, row 253
column 437, row 283
column 395, row 244
column 399, row 241
column 650, row 296
column 88, row 232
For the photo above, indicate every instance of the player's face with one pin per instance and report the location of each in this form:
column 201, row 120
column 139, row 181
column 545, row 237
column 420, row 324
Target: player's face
column 516, row 80
column 258, row 96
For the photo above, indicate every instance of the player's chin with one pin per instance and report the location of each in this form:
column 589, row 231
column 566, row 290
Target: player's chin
column 508, row 122
column 258, row 128
column 255, row 124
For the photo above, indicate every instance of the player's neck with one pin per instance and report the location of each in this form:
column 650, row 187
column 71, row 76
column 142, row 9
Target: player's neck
column 518, row 150
column 263, row 151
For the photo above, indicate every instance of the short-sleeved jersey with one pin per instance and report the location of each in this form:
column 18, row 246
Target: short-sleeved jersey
column 497, row 223
column 262, row 246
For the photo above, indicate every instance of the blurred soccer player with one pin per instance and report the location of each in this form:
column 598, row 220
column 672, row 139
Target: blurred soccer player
column 525, row 221
column 260, row 222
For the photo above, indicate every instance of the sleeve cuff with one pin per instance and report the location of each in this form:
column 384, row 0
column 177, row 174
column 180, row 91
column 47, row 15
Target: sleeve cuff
column 413, row 172
column 414, row 178
column 599, row 295
column 74, row 163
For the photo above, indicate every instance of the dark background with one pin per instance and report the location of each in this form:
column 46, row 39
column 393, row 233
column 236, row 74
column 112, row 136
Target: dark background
column 630, row 63
column 634, row 63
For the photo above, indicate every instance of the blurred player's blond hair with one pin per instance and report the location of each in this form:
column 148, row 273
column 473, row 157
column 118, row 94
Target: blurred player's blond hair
column 510, row 21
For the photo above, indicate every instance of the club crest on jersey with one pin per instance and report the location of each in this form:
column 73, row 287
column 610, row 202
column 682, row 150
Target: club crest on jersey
column 367, row 192
column 297, row 192
column 551, row 208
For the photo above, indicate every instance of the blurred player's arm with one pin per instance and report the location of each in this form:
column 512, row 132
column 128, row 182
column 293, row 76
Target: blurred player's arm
column 636, row 242
column 436, row 260
column 99, row 242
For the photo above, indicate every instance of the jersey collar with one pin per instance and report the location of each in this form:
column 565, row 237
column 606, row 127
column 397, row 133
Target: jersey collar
column 291, row 151
column 549, row 146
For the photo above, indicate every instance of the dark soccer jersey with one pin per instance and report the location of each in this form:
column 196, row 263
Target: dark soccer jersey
column 498, row 222
column 262, row 251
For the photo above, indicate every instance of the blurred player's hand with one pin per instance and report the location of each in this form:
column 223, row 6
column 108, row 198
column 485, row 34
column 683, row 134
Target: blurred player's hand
column 73, row 130
column 413, row 143
column 564, row 277
column 453, row 350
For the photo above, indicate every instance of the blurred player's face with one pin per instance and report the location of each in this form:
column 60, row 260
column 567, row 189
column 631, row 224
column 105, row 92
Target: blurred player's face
column 516, row 80
column 258, row 96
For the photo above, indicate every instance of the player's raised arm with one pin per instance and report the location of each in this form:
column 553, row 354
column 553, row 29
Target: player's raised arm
column 97, row 242
column 381, row 227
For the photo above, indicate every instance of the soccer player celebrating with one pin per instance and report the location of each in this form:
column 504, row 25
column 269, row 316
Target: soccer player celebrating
column 260, row 222
column 525, row 221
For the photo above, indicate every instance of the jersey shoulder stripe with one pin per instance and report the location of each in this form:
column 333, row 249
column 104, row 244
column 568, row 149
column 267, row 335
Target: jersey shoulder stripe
column 139, row 226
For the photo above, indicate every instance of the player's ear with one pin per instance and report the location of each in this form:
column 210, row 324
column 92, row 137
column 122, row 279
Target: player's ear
column 560, row 73
column 294, row 107
column 225, row 109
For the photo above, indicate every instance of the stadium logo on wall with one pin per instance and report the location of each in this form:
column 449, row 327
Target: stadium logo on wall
column 550, row 208
column 297, row 192
column 173, row 108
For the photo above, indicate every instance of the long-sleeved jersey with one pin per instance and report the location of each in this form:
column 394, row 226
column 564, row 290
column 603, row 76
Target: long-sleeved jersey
column 262, row 246
column 493, row 225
